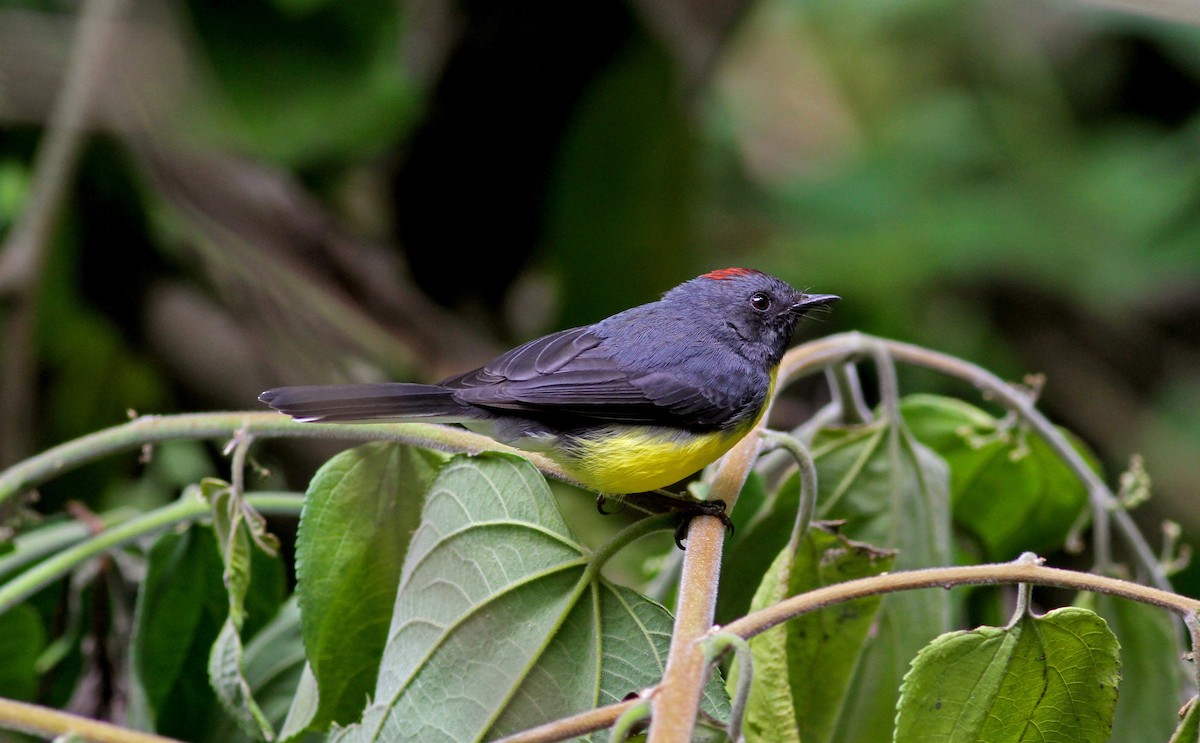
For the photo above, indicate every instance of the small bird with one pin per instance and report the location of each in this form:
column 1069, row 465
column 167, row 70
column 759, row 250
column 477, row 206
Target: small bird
column 631, row 404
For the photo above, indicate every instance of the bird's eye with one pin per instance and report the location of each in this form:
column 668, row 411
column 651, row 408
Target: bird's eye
column 760, row 301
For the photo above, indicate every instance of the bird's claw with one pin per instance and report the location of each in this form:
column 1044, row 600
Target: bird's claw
column 602, row 499
column 696, row 508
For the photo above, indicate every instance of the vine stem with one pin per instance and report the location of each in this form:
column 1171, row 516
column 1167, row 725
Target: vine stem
column 677, row 699
column 575, row 725
column 152, row 429
column 846, row 347
column 187, row 508
column 967, row 575
column 43, row 721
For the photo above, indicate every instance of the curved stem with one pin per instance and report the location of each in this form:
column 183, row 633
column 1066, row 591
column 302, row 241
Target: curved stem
column 808, row 482
column 1021, row 571
column 844, row 347
column 628, row 535
column 33, row 546
column 187, row 508
column 151, row 429
column 847, row 393
column 1012, row 572
column 42, row 721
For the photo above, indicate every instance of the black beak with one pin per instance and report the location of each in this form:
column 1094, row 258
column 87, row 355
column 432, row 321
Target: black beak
column 808, row 301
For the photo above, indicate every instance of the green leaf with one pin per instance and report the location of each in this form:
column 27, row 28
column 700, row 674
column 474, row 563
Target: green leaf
column 226, row 659
column 274, row 666
column 175, row 624
column 1153, row 679
column 502, row 621
column 1045, row 679
column 1189, row 727
column 1009, row 490
column 303, row 707
column 22, row 638
column 359, row 512
column 893, row 492
column 228, row 679
column 802, row 669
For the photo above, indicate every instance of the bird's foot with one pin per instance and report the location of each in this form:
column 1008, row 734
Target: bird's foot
column 601, row 500
column 696, row 508
column 688, row 508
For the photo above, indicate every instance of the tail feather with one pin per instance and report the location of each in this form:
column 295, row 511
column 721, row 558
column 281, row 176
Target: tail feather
column 366, row 402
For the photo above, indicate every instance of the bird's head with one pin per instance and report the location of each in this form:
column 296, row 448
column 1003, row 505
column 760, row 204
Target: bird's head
column 754, row 311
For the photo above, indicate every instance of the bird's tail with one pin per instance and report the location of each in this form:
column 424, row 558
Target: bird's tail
column 347, row 403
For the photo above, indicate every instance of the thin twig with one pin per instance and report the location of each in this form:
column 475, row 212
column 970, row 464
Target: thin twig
column 186, row 508
column 1022, row 571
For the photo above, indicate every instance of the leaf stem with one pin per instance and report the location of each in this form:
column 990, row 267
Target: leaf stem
column 847, row 393
column 1191, row 620
column 1024, row 591
column 945, row 578
column 716, row 646
column 187, row 508
column 808, row 481
column 575, row 725
column 628, row 535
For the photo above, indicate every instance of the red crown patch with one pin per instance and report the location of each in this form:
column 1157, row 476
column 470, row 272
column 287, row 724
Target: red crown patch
column 724, row 274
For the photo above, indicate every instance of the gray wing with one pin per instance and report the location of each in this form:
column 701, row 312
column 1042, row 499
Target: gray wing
column 569, row 375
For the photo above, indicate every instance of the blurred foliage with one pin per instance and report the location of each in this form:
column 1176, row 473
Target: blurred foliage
column 304, row 191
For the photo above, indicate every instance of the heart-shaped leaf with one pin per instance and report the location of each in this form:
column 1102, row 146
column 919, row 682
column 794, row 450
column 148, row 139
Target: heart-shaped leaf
column 502, row 621
column 1051, row 679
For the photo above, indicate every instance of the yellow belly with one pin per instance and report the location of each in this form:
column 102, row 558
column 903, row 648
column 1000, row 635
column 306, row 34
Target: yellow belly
column 624, row 459
column 642, row 458
column 636, row 459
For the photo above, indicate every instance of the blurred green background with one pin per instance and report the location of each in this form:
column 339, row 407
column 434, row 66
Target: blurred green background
column 303, row 191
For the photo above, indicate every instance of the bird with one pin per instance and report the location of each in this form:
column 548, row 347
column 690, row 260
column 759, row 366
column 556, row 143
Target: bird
column 629, row 405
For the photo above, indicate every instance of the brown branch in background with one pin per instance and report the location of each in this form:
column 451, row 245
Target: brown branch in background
column 23, row 254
